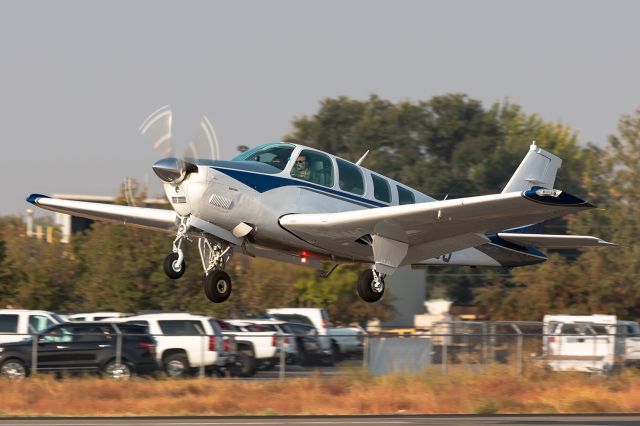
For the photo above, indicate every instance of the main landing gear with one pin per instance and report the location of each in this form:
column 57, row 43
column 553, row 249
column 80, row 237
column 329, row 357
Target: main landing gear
column 370, row 285
column 214, row 255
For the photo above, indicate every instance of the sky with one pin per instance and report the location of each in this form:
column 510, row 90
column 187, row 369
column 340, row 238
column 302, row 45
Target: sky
column 77, row 78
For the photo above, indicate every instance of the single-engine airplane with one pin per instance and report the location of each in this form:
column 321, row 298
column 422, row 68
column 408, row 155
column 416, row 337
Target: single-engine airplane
column 293, row 203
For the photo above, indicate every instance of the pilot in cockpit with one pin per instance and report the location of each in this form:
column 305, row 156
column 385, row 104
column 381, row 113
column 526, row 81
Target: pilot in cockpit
column 278, row 162
column 301, row 168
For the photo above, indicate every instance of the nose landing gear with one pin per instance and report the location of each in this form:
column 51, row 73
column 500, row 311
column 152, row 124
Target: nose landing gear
column 214, row 254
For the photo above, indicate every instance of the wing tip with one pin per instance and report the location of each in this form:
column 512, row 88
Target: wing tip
column 33, row 198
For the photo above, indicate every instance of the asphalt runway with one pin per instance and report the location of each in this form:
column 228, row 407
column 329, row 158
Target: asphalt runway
column 556, row 420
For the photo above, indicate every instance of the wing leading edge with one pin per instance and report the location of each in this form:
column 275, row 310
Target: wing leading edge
column 142, row 217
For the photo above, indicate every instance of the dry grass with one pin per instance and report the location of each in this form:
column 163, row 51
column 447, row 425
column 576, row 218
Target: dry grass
column 497, row 390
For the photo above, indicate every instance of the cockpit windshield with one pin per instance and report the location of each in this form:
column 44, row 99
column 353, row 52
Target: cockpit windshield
column 274, row 154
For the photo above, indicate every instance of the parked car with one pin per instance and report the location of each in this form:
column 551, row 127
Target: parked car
column 257, row 347
column 82, row 347
column 186, row 342
column 589, row 343
column 95, row 316
column 20, row 324
column 340, row 341
column 301, row 344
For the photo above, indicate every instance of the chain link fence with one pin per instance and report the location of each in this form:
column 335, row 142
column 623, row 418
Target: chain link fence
column 447, row 346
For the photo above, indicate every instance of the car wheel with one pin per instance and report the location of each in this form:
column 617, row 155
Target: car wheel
column 177, row 365
column 117, row 371
column 244, row 365
column 13, row 369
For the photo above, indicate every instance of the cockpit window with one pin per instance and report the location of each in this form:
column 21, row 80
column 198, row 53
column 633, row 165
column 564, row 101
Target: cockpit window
column 274, row 154
column 314, row 167
column 350, row 177
column 381, row 190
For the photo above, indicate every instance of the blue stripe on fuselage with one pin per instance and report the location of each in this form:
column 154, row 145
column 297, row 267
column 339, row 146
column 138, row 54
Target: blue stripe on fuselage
column 262, row 183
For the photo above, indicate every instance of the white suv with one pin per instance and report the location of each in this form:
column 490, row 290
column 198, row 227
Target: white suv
column 18, row 324
column 186, row 342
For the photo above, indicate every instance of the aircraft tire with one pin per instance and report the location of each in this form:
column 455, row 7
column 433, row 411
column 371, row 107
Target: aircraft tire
column 364, row 287
column 169, row 268
column 217, row 286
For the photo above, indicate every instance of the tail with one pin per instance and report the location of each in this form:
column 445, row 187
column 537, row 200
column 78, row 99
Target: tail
column 538, row 168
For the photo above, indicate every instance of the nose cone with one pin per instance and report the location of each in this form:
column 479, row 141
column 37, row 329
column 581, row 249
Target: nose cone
column 170, row 170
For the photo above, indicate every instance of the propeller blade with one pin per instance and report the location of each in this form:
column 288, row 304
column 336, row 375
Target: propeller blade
column 158, row 128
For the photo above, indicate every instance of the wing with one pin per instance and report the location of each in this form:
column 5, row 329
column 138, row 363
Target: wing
column 156, row 219
column 433, row 228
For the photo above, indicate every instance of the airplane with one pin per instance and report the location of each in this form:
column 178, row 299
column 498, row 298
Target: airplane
column 297, row 204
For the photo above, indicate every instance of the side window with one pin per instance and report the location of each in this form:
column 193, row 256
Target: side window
column 8, row 323
column 350, row 177
column 314, row 167
column 92, row 333
column 405, row 196
column 181, row 328
column 38, row 323
column 59, row 335
column 381, row 190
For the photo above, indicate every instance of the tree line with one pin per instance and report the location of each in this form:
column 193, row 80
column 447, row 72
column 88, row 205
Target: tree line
column 448, row 146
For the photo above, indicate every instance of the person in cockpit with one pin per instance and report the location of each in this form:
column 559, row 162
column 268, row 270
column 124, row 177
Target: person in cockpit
column 278, row 162
column 301, row 168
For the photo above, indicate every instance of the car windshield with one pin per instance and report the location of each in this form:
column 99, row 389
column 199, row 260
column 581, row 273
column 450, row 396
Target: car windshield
column 273, row 154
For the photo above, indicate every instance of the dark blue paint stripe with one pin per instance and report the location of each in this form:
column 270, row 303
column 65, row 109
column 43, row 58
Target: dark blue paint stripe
column 34, row 197
column 262, row 183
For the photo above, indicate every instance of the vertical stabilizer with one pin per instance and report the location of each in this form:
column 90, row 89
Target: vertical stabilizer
column 538, row 168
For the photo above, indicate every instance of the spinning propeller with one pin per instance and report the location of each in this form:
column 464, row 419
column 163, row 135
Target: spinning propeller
column 158, row 127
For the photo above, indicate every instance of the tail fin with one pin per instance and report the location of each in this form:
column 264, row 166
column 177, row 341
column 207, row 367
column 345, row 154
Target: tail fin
column 538, row 168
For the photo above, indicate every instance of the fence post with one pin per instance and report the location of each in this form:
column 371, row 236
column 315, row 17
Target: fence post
column 118, row 344
column 492, row 342
column 365, row 352
column 443, row 366
column 282, row 355
column 485, row 354
column 203, row 348
column 518, row 349
column 34, row 353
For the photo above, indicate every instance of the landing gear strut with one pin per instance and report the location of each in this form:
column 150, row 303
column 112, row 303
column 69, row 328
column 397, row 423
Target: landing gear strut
column 174, row 264
column 370, row 285
column 215, row 255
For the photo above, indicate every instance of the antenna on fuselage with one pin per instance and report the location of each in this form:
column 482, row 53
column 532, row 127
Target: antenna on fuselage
column 362, row 158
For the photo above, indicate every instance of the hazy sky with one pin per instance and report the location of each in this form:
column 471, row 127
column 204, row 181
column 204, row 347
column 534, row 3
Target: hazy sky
column 78, row 77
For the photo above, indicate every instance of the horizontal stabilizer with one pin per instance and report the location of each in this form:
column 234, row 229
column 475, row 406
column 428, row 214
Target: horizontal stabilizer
column 554, row 241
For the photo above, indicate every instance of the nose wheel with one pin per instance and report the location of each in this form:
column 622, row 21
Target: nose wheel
column 370, row 285
column 174, row 267
column 217, row 286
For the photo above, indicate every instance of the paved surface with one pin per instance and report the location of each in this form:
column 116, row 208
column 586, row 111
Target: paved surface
column 556, row 420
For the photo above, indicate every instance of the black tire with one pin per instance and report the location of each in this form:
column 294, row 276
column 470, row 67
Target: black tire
column 176, row 365
column 245, row 365
column 365, row 287
column 335, row 352
column 14, row 369
column 217, row 286
column 169, row 266
column 116, row 371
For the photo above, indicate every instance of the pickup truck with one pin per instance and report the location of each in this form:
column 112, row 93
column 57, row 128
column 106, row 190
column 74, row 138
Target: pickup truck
column 19, row 324
column 589, row 343
column 338, row 341
column 256, row 347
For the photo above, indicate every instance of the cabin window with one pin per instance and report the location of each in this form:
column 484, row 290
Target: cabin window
column 381, row 189
column 405, row 196
column 314, row 167
column 273, row 154
column 351, row 179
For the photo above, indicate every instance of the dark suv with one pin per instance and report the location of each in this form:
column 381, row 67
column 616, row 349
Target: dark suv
column 81, row 347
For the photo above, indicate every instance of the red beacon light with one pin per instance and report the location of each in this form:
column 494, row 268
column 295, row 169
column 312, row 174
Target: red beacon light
column 304, row 257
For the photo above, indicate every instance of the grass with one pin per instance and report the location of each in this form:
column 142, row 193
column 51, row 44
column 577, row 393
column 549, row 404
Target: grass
column 497, row 390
